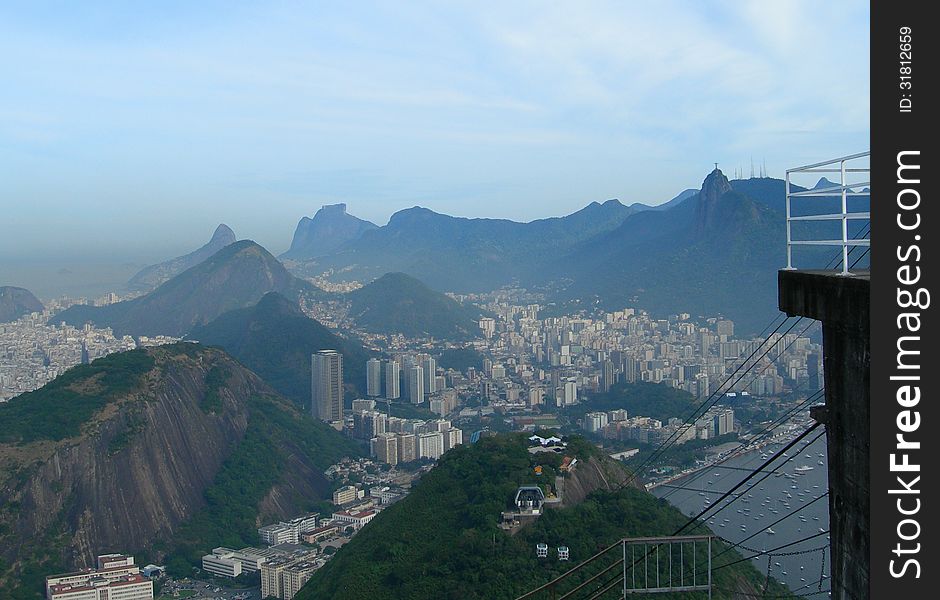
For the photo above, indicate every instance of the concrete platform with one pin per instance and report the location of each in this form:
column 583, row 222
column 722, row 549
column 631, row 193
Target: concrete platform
column 826, row 296
column 842, row 304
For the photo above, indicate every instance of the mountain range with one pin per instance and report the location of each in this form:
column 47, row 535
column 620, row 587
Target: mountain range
column 165, row 452
column 236, row 276
column 715, row 254
column 461, row 254
column 16, row 302
column 713, row 251
column 275, row 339
column 150, row 277
column 399, row 303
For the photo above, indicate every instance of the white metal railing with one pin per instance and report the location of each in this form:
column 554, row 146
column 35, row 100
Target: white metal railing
column 846, row 165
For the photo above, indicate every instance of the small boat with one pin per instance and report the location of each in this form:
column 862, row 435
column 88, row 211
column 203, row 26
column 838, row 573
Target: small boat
column 771, row 531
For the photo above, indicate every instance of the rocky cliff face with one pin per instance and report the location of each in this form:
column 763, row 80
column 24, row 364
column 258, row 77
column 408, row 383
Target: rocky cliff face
column 139, row 468
column 16, row 302
column 330, row 228
column 590, row 475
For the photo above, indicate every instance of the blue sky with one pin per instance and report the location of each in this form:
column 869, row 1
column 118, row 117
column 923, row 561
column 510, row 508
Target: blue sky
column 130, row 131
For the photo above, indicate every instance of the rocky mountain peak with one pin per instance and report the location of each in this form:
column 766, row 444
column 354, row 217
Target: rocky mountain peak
column 222, row 236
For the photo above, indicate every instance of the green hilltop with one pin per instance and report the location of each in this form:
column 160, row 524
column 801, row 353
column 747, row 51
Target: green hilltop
column 442, row 541
column 236, row 276
column 399, row 303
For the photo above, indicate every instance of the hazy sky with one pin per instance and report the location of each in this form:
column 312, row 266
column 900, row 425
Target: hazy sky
column 131, row 131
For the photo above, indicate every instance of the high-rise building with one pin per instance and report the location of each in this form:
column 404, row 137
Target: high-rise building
column 595, row 421
column 724, row 422
column 385, row 448
column 407, row 450
column 431, row 445
column 488, row 325
column 283, row 576
column 452, row 437
column 373, row 378
column 295, row 576
column 326, row 385
column 369, row 423
column 392, row 380
column 429, row 365
column 607, row 375
column 416, row 384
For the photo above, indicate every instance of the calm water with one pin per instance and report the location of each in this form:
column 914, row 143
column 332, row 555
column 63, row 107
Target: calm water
column 784, row 492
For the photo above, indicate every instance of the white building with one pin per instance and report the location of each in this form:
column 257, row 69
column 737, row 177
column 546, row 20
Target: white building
column 392, row 380
column 288, row 532
column 128, row 587
column 278, row 533
column 595, row 421
column 374, row 378
column 222, row 562
column 356, row 519
column 115, row 578
column 416, row 384
column 452, row 437
column 429, row 365
column 431, row 445
column 282, row 577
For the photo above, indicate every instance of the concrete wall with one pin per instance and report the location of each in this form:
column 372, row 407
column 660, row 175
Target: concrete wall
column 842, row 305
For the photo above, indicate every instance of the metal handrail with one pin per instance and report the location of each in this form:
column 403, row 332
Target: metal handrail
column 843, row 190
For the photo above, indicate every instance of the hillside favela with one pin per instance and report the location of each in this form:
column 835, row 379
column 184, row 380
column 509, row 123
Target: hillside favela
column 423, row 301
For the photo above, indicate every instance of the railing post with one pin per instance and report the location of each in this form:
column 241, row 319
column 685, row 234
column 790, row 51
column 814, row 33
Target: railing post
column 709, row 568
column 845, row 223
column 624, row 542
column 789, row 245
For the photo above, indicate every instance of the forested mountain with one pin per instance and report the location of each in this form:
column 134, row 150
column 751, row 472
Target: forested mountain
column 275, row 340
column 234, row 277
column 398, row 303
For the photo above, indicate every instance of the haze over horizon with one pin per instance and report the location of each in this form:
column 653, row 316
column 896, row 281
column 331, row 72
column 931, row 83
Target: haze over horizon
column 127, row 135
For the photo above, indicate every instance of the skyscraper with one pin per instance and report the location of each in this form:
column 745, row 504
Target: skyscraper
column 326, row 385
column 430, row 371
column 392, row 380
column 416, row 384
column 374, row 378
